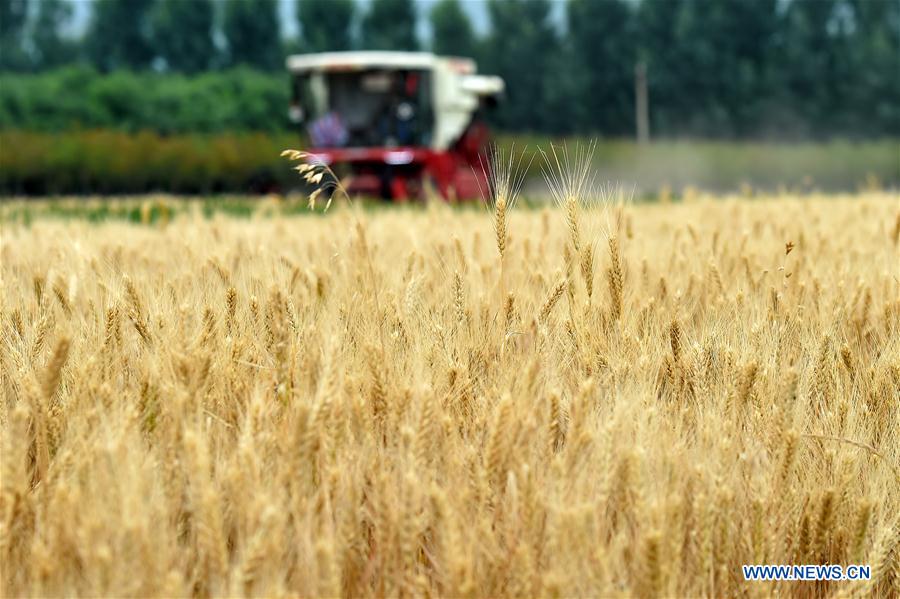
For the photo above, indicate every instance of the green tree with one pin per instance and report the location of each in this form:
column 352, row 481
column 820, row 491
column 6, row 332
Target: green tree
column 251, row 28
column 874, row 93
column 50, row 46
column 714, row 66
column 604, row 48
column 525, row 49
column 119, row 34
column 725, row 48
column 390, row 25
column 13, row 17
column 808, row 65
column 326, row 25
column 751, row 33
column 451, row 29
column 183, row 34
column 658, row 48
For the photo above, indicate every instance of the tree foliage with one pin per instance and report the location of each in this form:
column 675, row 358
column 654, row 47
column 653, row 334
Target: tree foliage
column 80, row 97
column 326, row 25
column 252, row 31
column 715, row 68
column 119, row 35
column 390, row 25
column 184, row 34
column 524, row 55
column 13, row 15
column 451, row 30
column 603, row 43
column 51, row 47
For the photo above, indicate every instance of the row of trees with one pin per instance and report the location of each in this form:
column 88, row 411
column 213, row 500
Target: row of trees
column 717, row 68
column 190, row 36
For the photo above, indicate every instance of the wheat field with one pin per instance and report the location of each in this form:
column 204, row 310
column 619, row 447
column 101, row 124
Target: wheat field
column 584, row 400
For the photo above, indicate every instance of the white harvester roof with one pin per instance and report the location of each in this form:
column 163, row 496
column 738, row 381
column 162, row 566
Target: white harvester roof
column 339, row 61
column 456, row 86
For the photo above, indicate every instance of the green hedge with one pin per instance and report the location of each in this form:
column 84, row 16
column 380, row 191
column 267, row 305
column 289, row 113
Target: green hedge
column 103, row 161
column 117, row 162
column 81, row 98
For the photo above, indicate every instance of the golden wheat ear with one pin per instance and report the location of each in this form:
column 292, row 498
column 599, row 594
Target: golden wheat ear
column 317, row 175
column 505, row 176
column 571, row 180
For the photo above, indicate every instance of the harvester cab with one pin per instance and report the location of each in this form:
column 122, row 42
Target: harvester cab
column 391, row 120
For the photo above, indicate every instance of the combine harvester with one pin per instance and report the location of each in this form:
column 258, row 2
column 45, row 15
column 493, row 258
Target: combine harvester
column 395, row 119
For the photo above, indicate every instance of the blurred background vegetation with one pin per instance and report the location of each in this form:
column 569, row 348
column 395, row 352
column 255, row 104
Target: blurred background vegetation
column 106, row 161
column 191, row 96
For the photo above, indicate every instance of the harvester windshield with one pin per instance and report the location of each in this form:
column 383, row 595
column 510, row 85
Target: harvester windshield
column 366, row 108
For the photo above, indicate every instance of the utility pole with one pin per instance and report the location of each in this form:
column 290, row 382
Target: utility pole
column 640, row 103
